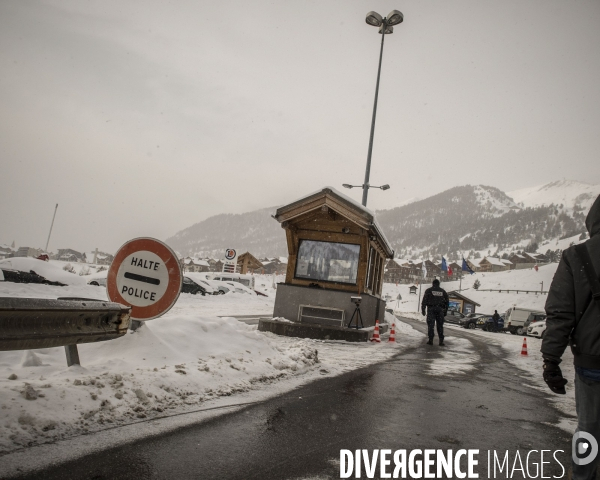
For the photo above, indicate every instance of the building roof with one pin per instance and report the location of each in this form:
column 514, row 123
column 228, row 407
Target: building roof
column 495, row 261
column 342, row 204
column 455, row 294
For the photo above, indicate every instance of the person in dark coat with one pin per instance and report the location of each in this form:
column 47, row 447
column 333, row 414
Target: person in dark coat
column 436, row 301
column 495, row 319
column 574, row 319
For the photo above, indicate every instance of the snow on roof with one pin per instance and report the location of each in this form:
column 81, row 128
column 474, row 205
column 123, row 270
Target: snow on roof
column 518, row 255
column 506, row 261
column 283, row 260
column 495, row 261
column 204, row 263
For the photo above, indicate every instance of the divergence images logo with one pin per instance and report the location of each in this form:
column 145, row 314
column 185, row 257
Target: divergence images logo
column 584, row 448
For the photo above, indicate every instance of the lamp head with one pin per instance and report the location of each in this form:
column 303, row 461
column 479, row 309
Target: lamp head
column 385, row 187
column 394, row 18
column 388, row 30
column 345, row 185
column 374, row 19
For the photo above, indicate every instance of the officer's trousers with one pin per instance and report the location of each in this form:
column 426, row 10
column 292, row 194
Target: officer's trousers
column 435, row 315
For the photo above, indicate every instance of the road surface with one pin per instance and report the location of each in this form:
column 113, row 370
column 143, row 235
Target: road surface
column 398, row 404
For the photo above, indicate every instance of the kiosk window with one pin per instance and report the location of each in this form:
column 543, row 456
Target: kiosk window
column 327, row 261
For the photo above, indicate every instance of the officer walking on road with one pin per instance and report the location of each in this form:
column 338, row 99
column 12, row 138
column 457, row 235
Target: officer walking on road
column 495, row 319
column 573, row 309
column 436, row 301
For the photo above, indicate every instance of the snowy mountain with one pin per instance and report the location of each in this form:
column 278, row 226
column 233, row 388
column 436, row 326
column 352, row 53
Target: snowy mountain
column 460, row 220
column 568, row 193
column 255, row 232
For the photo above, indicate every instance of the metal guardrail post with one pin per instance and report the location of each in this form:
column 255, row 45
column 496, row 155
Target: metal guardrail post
column 72, row 355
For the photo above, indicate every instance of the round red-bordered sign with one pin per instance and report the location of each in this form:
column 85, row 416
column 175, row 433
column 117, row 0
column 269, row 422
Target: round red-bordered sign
column 145, row 275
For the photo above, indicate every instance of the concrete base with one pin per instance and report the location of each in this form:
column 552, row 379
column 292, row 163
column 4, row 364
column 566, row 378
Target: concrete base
column 290, row 298
column 319, row 332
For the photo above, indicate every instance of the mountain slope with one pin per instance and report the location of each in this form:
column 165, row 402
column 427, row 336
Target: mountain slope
column 460, row 219
column 562, row 192
column 256, row 232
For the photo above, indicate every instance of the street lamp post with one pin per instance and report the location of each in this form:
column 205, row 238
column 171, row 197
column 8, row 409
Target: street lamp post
column 386, row 26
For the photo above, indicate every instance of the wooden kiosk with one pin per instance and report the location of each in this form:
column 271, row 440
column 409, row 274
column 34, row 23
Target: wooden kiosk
column 337, row 251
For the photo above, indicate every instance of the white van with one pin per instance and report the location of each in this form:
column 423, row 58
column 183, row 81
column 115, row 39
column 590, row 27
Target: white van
column 518, row 319
column 246, row 280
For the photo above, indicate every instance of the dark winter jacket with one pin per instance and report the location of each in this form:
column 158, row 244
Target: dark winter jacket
column 573, row 316
column 435, row 297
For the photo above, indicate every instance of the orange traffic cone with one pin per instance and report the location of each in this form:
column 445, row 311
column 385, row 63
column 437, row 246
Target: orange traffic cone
column 375, row 337
column 393, row 334
column 524, row 349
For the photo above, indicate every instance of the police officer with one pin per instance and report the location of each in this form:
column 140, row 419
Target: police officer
column 495, row 319
column 436, row 302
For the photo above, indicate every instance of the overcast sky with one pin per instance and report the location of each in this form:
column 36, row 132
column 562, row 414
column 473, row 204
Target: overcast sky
column 140, row 118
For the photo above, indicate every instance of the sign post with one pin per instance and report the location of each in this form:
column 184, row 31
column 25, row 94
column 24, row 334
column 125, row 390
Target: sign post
column 230, row 263
column 145, row 275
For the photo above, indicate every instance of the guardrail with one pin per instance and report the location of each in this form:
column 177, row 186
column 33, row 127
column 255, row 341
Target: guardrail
column 30, row 323
column 543, row 292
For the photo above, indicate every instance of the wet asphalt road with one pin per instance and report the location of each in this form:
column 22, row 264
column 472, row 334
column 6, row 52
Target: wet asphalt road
column 393, row 405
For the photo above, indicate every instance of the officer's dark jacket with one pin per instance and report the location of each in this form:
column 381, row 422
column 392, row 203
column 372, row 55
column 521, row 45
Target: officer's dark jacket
column 435, row 297
column 573, row 316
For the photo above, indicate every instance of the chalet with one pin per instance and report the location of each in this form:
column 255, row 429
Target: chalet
column 473, row 264
column 336, row 253
column 195, row 265
column 248, row 263
column 70, row 255
column 493, row 264
column 400, row 271
column 521, row 261
column 461, row 303
column 537, row 258
column 214, row 265
column 276, row 266
column 433, row 271
column 412, row 289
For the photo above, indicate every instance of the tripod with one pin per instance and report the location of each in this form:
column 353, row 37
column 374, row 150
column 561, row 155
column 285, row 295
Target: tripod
column 356, row 310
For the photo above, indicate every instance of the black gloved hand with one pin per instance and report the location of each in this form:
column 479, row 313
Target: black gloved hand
column 553, row 377
column 423, row 312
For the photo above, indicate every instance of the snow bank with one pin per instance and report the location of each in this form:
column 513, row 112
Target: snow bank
column 166, row 366
column 48, row 270
column 193, row 357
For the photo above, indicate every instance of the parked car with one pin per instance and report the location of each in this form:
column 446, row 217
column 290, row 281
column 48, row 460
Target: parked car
column 244, row 279
column 487, row 324
column 454, row 316
column 471, row 319
column 98, row 279
column 537, row 329
column 200, row 279
column 189, row 286
column 518, row 319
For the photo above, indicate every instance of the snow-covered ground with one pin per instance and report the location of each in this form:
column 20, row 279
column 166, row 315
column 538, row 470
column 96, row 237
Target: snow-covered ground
column 526, row 279
column 198, row 357
column 194, row 357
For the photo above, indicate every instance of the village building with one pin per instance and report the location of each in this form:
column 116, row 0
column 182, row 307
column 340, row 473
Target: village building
column 194, row 265
column 461, row 303
column 28, row 252
column 248, row 263
column 493, row 264
column 521, row 261
column 275, row 265
column 337, row 253
column 413, row 289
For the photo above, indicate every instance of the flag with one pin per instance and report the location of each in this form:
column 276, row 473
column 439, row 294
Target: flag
column 449, row 271
column 466, row 268
column 444, row 265
column 424, row 269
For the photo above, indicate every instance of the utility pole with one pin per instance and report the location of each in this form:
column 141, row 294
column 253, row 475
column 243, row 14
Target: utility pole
column 51, row 225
